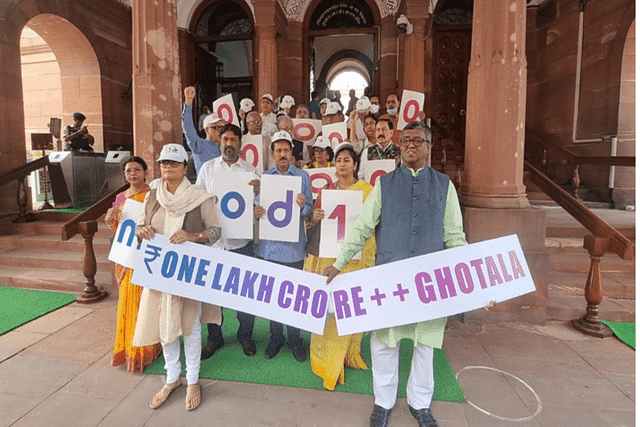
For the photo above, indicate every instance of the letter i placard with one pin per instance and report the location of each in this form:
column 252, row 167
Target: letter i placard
column 278, row 194
column 341, row 209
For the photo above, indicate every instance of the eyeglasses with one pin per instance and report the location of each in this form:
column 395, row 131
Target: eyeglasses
column 215, row 127
column 255, row 122
column 169, row 163
column 417, row 142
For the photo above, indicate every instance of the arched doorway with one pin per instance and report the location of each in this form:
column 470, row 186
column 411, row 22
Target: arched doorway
column 61, row 76
column 341, row 36
column 452, row 50
column 223, row 36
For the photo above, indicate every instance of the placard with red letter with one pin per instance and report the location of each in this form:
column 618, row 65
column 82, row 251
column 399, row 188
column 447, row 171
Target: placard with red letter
column 341, row 209
column 320, row 177
column 252, row 151
column 374, row 169
column 336, row 132
column 412, row 103
column 225, row 108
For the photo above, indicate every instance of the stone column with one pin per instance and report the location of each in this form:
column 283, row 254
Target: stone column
column 492, row 193
column 267, row 59
column 414, row 46
column 157, row 93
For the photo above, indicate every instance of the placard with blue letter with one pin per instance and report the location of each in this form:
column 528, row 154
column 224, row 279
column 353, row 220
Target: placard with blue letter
column 278, row 194
column 235, row 203
column 124, row 249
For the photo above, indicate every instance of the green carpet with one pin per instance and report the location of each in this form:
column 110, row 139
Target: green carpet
column 20, row 306
column 230, row 364
column 626, row 332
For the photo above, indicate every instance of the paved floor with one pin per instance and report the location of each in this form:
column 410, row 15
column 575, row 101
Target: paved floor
column 55, row 371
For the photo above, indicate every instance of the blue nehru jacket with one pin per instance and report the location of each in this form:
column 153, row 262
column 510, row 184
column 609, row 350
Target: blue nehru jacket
column 412, row 214
column 202, row 149
column 289, row 251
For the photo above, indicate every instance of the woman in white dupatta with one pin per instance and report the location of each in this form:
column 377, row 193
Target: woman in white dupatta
column 184, row 212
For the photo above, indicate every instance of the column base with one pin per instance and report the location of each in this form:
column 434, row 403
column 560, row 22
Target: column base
column 530, row 226
column 598, row 330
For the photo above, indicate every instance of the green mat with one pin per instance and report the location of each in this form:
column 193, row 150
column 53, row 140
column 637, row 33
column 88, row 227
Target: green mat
column 20, row 306
column 230, row 364
column 626, row 332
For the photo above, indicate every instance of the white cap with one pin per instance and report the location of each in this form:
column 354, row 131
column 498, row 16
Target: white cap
column 268, row 96
column 322, row 142
column 211, row 118
column 287, row 102
column 344, row 145
column 332, row 108
column 363, row 105
column 173, row 152
column 246, row 105
column 325, row 101
column 281, row 135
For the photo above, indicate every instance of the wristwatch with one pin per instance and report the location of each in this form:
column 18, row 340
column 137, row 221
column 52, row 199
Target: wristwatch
column 200, row 236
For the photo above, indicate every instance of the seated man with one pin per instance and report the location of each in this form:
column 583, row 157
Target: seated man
column 77, row 136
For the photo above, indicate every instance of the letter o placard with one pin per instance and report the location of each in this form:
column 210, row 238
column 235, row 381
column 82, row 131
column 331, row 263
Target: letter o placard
column 254, row 151
column 416, row 111
column 229, row 116
column 224, row 205
column 320, row 176
column 376, row 175
column 304, row 132
column 336, row 135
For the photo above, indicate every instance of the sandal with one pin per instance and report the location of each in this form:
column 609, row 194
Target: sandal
column 162, row 396
column 193, row 397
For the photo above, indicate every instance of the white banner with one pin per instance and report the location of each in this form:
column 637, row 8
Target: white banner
column 198, row 272
column 320, row 177
column 226, row 109
column 278, row 194
column 341, row 208
column 412, row 103
column 235, row 203
column 374, row 169
column 431, row 286
column 336, row 132
column 252, row 151
column 125, row 247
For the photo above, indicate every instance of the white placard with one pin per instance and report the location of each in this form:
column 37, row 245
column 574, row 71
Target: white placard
column 374, row 169
column 341, row 209
column 125, row 247
column 412, row 103
column 306, row 130
column 281, row 222
column 320, row 177
column 235, row 203
column 336, row 132
column 253, row 151
column 431, row 286
column 225, row 108
column 199, row 272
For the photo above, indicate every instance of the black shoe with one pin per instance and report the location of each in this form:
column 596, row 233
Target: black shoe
column 299, row 352
column 249, row 347
column 272, row 349
column 380, row 416
column 424, row 417
column 209, row 349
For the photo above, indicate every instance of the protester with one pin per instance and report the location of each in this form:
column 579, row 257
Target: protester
column 286, row 103
column 375, row 106
column 353, row 100
column 384, row 147
column 393, row 104
column 269, row 126
column 322, row 154
column 330, row 353
column 254, row 127
column 77, row 136
column 286, row 124
column 336, row 98
column 185, row 213
column 323, row 108
column 246, row 105
column 229, row 162
column 302, row 112
column 204, row 112
column 314, row 107
column 290, row 254
column 332, row 114
column 414, row 211
column 135, row 358
column 202, row 149
column 357, row 135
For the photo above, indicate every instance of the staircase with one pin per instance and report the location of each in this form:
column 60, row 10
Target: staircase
column 32, row 255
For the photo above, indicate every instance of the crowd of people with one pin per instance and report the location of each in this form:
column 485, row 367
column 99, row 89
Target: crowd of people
column 411, row 211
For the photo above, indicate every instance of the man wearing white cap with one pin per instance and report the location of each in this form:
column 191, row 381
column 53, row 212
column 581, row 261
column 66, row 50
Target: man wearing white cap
column 332, row 114
column 203, row 149
column 246, row 105
column 323, row 107
column 290, row 254
column 357, row 135
column 269, row 126
column 286, row 103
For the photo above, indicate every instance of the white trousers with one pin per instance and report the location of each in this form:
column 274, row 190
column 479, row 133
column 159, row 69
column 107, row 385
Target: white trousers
column 192, row 348
column 384, row 365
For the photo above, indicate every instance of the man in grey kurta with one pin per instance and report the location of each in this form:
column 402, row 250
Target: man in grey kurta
column 414, row 211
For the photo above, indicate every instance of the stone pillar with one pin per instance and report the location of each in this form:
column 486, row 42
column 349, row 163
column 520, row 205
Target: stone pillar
column 157, row 93
column 414, row 46
column 492, row 193
column 267, row 59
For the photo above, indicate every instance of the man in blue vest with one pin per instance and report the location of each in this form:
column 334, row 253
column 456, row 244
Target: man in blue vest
column 414, row 211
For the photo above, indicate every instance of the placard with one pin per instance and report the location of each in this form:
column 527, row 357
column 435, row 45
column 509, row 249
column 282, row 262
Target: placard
column 253, row 151
column 226, row 109
column 278, row 194
column 199, row 272
column 125, row 247
column 306, row 130
column 374, row 169
column 336, row 132
column 410, row 107
column 431, row 286
column 235, row 203
column 320, row 177
column 341, row 208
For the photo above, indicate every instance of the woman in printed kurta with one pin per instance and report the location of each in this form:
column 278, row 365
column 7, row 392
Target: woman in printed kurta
column 135, row 358
column 330, row 353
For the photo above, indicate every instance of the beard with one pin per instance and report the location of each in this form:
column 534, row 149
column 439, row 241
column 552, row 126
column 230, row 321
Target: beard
column 230, row 153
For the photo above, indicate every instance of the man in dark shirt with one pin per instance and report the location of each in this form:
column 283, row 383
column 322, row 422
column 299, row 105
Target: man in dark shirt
column 77, row 136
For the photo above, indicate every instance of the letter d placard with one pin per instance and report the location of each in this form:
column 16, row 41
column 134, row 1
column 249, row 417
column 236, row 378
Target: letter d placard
column 278, row 196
